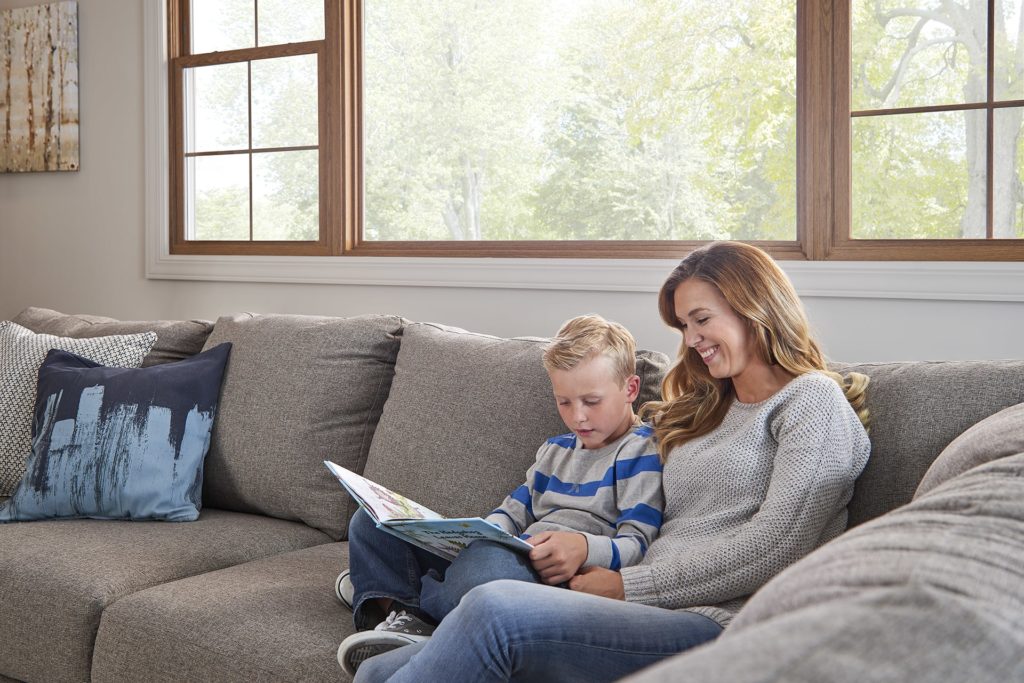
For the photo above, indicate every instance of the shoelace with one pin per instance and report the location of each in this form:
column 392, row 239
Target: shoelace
column 396, row 620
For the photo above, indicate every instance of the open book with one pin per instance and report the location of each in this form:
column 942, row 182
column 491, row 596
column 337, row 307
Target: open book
column 421, row 526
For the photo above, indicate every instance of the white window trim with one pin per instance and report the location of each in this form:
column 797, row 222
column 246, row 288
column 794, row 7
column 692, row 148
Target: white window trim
column 957, row 281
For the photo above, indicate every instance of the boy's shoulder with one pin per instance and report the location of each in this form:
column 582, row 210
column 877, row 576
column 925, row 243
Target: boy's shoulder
column 562, row 440
column 642, row 430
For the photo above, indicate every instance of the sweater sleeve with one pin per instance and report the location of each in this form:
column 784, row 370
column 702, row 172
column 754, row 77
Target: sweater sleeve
column 640, row 500
column 515, row 513
column 821, row 449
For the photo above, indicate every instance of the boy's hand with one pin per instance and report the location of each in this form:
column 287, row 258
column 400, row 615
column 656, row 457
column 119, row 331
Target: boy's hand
column 556, row 555
column 599, row 581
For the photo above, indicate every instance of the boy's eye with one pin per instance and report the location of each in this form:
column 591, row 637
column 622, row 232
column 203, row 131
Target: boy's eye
column 592, row 402
column 702, row 320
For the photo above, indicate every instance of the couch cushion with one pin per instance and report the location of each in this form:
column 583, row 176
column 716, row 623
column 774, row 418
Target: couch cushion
column 274, row 619
column 917, row 408
column 994, row 437
column 933, row 591
column 21, row 353
column 57, row 577
column 298, row 390
column 175, row 339
column 466, row 415
column 119, row 443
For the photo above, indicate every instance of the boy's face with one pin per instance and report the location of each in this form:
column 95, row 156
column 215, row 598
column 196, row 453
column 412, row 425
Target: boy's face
column 592, row 402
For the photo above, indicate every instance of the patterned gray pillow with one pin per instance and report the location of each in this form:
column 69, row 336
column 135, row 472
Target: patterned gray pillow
column 21, row 353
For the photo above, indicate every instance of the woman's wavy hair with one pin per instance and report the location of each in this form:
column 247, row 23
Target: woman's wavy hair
column 694, row 402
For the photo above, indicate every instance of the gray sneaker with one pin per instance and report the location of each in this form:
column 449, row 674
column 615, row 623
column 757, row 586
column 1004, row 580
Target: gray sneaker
column 398, row 630
column 343, row 589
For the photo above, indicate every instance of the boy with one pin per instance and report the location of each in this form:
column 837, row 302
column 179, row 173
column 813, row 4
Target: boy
column 593, row 498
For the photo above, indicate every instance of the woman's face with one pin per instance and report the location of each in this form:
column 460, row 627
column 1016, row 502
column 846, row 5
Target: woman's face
column 723, row 339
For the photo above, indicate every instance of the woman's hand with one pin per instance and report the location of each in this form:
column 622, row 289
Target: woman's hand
column 557, row 555
column 599, row 581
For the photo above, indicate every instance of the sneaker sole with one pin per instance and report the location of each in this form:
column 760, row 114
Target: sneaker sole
column 359, row 647
column 338, row 592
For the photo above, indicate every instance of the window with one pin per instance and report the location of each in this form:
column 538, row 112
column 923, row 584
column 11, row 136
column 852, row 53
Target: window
column 594, row 128
column 248, row 153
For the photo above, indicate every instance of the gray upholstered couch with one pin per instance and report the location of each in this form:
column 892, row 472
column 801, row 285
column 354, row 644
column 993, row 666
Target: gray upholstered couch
column 448, row 417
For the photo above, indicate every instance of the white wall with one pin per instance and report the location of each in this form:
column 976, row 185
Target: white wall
column 75, row 242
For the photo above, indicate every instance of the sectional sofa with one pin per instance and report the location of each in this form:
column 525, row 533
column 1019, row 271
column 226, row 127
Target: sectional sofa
column 452, row 419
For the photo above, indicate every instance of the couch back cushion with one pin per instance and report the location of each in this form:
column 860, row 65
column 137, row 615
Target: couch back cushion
column 298, row 390
column 997, row 436
column 917, row 409
column 466, row 415
column 175, row 339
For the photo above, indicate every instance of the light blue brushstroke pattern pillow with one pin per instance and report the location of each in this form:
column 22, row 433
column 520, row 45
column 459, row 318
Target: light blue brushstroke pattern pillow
column 119, row 443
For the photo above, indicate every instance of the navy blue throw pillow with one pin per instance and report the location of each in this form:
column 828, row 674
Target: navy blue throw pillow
column 119, row 443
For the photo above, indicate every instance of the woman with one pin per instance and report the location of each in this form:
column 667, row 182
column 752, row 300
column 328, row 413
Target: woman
column 761, row 448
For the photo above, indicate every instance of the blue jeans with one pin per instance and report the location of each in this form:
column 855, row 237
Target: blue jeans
column 384, row 566
column 514, row 631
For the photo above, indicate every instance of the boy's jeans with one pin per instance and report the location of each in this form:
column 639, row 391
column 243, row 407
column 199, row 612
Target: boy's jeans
column 384, row 566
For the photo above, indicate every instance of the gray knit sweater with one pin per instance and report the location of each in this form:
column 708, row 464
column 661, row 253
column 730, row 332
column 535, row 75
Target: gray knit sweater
column 766, row 487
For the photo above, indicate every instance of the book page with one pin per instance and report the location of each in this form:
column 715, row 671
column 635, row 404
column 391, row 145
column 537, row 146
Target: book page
column 383, row 504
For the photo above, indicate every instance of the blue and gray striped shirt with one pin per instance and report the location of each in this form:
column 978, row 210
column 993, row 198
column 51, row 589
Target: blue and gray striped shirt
column 612, row 495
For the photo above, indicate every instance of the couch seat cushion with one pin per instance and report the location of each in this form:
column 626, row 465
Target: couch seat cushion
column 298, row 390
column 274, row 619
column 57, row 577
column 466, row 415
column 175, row 339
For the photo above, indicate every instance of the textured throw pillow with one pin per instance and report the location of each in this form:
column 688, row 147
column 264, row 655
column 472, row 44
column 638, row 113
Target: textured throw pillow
column 175, row 339
column 21, row 353
column 994, row 437
column 119, row 443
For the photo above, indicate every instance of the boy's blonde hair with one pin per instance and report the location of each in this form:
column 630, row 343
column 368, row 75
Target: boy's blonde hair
column 589, row 335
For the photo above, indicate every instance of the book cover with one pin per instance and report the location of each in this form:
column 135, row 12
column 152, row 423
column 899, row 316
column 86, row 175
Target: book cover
column 417, row 524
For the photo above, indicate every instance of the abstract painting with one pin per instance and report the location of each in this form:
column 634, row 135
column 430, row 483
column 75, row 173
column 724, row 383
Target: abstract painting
column 39, row 88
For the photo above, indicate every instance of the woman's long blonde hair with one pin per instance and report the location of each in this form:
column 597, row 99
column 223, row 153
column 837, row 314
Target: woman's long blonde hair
column 694, row 402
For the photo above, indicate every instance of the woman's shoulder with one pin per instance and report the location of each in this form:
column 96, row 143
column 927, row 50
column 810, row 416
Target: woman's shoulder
column 814, row 390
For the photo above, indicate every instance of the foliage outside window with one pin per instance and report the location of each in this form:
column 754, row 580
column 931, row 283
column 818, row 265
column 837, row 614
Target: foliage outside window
column 597, row 128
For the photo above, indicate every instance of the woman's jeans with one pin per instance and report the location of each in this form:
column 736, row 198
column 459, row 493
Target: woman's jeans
column 385, row 566
column 515, row 631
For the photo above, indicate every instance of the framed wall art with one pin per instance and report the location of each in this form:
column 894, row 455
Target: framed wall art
column 39, row 88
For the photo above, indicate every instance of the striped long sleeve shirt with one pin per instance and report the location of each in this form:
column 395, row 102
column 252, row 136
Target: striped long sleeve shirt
column 612, row 495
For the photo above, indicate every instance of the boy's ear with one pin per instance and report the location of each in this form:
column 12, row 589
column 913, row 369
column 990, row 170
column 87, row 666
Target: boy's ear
column 633, row 387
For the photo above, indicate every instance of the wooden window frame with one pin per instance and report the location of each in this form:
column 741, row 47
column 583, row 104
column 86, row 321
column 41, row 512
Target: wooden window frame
column 823, row 160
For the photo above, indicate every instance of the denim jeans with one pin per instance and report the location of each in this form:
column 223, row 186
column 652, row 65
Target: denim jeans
column 514, row 631
column 385, row 566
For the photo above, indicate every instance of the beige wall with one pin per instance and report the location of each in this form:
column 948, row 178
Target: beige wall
column 74, row 242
